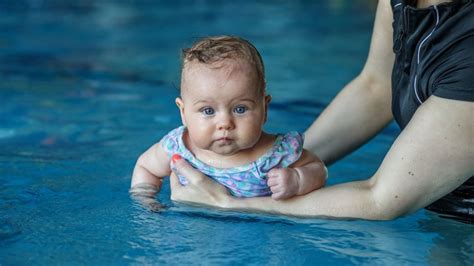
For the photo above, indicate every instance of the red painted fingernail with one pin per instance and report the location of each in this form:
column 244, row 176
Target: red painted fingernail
column 175, row 157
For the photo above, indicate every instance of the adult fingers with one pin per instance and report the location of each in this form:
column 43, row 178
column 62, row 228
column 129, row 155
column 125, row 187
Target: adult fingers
column 183, row 168
column 178, row 191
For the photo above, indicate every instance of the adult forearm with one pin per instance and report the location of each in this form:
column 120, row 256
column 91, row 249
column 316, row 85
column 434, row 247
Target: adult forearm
column 358, row 113
column 348, row 200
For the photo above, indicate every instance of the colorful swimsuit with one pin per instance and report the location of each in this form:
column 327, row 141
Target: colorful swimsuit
column 247, row 180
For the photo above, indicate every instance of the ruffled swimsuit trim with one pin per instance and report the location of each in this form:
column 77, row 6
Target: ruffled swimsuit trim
column 211, row 170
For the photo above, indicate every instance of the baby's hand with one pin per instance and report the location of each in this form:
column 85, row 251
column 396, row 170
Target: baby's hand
column 283, row 182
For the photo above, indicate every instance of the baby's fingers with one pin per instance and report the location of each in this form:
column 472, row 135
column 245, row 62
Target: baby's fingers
column 279, row 195
column 274, row 172
column 272, row 181
column 278, row 192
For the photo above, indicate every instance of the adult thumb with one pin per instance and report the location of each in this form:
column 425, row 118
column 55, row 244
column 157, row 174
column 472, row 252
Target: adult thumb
column 174, row 182
column 184, row 170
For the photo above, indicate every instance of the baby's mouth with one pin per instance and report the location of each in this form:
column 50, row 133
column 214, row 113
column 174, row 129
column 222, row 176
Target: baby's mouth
column 223, row 140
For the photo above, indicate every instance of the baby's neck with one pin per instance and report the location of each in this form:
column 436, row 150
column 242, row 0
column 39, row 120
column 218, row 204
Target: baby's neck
column 216, row 160
column 239, row 158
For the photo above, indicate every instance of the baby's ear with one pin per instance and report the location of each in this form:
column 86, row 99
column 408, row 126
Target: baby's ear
column 268, row 99
column 180, row 104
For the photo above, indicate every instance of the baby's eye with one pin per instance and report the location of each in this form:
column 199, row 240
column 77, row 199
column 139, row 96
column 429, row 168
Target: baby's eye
column 240, row 109
column 208, row 111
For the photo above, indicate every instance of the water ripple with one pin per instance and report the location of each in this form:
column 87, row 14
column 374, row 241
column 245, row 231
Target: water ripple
column 6, row 133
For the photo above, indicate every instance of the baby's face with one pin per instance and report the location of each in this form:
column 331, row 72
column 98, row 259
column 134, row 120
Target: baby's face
column 222, row 106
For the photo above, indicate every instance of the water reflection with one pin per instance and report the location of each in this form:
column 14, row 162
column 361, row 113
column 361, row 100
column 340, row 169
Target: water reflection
column 418, row 239
column 454, row 241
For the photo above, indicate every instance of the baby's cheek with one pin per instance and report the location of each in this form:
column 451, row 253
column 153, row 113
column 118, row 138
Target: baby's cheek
column 202, row 141
column 254, row 137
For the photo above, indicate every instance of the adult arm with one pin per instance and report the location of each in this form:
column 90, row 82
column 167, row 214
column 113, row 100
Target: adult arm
column 362, row 108
column 429, row 159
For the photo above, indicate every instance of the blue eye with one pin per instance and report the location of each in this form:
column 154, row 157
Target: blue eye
column 240, row 109
column 208, row 111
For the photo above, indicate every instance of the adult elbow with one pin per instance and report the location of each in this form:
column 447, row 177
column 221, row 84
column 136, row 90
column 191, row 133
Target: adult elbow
column 387, row 205
column 385, row 212
column 389, row 215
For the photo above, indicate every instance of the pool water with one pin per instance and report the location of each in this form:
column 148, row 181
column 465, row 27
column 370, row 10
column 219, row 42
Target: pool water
column 86, row 86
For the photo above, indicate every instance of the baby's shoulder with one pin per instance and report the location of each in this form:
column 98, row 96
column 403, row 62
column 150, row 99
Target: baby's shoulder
column 171, row 141
column 284, row 150
column 293, row 140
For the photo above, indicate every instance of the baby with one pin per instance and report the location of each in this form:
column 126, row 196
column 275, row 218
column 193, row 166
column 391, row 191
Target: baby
column 223, row 108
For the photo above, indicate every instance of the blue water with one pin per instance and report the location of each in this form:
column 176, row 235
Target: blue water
column 86, row 86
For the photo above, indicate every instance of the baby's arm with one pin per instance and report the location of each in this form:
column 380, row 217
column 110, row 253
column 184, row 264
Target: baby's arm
column 148, row 174
column 303, row 176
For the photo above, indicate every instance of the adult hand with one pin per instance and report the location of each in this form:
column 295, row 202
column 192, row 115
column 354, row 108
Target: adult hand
column 200, row 189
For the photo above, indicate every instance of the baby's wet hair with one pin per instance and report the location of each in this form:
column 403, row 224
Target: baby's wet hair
column 214, row 49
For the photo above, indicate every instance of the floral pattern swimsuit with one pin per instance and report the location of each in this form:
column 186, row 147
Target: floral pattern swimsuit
column 248, row 180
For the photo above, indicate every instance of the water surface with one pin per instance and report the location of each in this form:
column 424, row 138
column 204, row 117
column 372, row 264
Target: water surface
column 86, row 86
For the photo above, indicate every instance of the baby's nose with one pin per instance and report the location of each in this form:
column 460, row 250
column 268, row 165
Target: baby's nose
column 225, row 123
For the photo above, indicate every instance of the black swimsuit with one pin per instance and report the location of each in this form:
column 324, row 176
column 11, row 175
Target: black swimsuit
column 434, row 50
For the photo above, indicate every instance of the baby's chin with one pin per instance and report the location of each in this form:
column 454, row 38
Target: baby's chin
column 225, row 151
column 231, row 150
